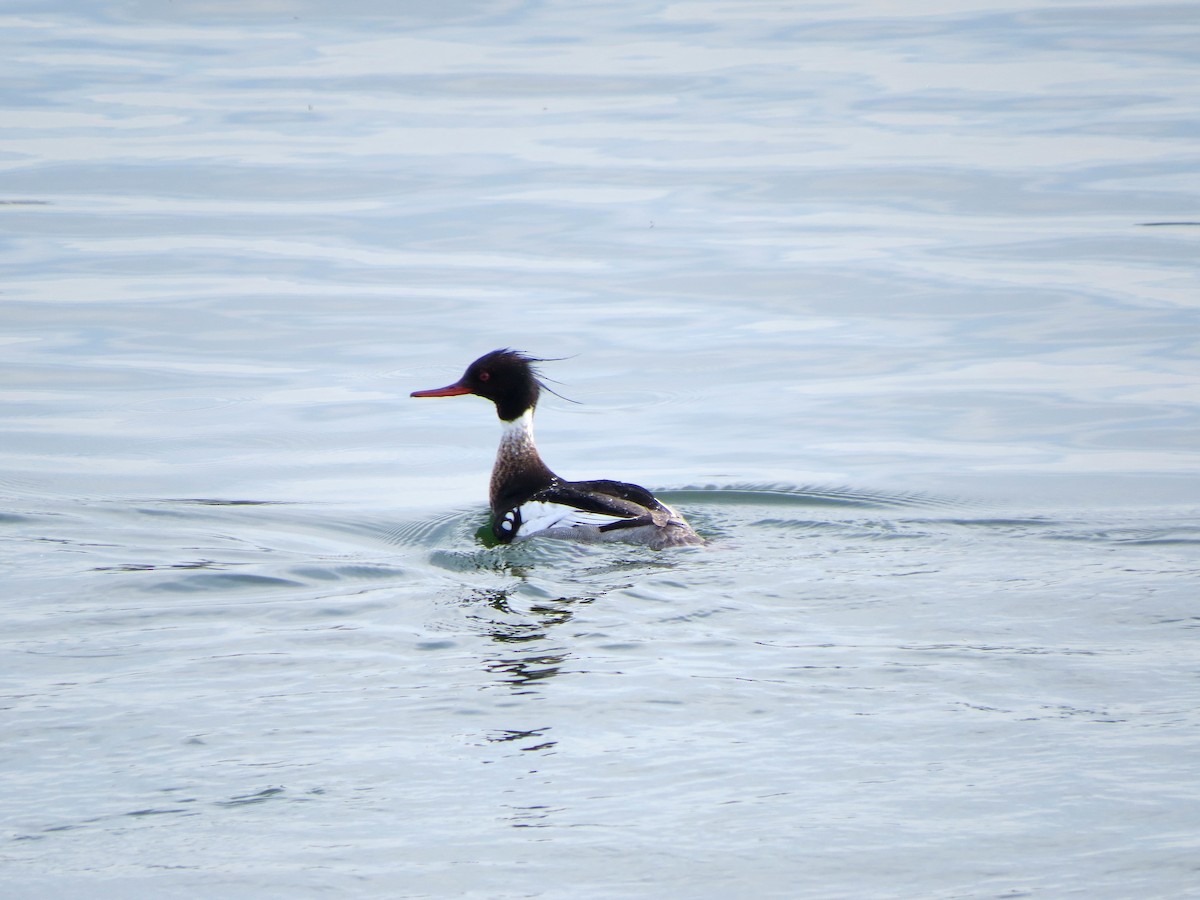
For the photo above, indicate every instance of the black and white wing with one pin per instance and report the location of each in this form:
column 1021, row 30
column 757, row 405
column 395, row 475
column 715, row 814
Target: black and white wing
column 603, row 505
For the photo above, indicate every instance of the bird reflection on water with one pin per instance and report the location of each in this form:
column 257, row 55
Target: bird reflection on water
column 523, row 659
column 522, row 662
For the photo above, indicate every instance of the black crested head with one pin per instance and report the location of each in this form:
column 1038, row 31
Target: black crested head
column 506, row 377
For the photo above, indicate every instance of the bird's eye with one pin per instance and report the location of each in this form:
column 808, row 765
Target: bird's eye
column 485, row 375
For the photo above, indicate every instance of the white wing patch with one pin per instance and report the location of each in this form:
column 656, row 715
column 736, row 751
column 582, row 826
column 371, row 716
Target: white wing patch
column 538, row 516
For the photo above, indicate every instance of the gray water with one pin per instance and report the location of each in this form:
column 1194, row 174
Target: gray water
column 897, row 302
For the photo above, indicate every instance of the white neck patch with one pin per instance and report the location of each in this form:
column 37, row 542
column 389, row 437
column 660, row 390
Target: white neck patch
column 516, row 437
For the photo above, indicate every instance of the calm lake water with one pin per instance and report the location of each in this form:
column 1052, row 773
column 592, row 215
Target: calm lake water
column 898, row 303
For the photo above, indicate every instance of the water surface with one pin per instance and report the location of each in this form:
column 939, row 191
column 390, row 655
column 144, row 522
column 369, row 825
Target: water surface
column 898, row 305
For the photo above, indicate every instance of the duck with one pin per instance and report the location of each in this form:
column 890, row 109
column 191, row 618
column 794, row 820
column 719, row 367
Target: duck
column 527, row 499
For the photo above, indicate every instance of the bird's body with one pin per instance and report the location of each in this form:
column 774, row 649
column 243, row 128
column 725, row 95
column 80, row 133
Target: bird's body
column 528, row 499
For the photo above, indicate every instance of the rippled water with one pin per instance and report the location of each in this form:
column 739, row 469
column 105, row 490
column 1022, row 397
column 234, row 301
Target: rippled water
column 898, row 304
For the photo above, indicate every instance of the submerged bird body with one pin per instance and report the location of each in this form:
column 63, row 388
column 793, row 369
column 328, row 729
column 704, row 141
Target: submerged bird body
column 528, row 499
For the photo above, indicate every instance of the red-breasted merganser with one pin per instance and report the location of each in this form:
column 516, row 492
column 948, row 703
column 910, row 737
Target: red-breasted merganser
column 528, row 499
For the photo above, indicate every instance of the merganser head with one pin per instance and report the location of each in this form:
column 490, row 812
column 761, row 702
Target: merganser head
column 506, row 377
